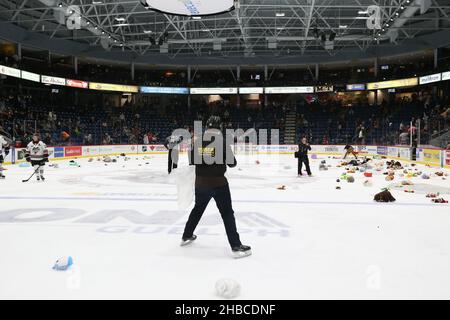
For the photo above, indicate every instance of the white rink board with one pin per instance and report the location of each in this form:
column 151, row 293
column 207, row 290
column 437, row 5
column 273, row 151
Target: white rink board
column 401, row 153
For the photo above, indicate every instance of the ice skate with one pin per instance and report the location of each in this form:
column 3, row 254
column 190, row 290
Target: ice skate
column 188, row 241
column 242, row 252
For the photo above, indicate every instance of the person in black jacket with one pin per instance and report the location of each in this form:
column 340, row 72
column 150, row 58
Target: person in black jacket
column 211, row 156
column 172, row 144
column 302, row 156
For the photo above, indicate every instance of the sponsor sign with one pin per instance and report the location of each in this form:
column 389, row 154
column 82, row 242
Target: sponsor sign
column 372, row 150
column 127, row 149
column 432, row 156
column 73, row 151
column 53, row 80
column 361, row 149
column 270, row 148
column 113, row 87
column 410, row 82
column 431, row 78
column 447, row 158
column 10, row 72
column 331, row 149
column 382, row 151
column 288, row 90
column 209, row 91
column 251, row 90
column 393, row 152
column 405, row 153
column 356, row 87
column 59, row 152
column 106, row 149
column 77, row 84
column 319, row 89
column 31, row 76
column 151, row 148
column 91, row 150
column 164, row 90
column 446, row 76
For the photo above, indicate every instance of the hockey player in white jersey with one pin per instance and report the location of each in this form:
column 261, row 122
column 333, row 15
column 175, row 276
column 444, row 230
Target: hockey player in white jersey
column 37, row 154
column 4, row 151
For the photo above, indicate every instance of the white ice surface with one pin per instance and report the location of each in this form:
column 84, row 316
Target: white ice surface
column 310, row 241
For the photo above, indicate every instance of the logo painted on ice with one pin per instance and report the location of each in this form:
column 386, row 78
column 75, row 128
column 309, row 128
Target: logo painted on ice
column 167, row 222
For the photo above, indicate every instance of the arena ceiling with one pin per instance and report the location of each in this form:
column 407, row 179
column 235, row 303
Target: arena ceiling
column 260, row 29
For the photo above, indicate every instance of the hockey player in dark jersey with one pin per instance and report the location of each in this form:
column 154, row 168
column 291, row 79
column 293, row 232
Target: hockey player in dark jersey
column 172, row 144
column 4, row 148
column 349, row 150
column 211, row 156
column 37, row 153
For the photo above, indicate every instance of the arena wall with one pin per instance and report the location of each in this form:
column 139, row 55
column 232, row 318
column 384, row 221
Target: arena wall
column 432, row 157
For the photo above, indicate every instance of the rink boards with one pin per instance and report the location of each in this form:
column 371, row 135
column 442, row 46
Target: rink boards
column 432, row 157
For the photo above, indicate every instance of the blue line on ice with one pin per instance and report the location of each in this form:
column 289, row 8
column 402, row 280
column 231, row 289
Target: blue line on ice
column 237, row 201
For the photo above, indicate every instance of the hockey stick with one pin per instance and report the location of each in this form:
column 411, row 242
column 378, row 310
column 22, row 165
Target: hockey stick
column 32, row 174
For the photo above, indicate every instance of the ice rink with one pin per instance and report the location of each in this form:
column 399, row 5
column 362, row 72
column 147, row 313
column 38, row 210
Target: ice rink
column 121, row 224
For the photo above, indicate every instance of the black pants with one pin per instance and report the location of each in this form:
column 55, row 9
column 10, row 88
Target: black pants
column 222, row 197
column 173, row 159
column 301, row 161
column 40, row 163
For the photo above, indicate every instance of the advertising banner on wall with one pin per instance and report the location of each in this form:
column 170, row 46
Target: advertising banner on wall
column 393, row 152
column 404, row 153
column 251, row 90
column 164, row 90
column 288, row 90
column 10, row 72
column 74, row 151
column 77, row 84
column 90, row 151
column 369, row 150
column 58, row 152
column 151, row 149
column 356, row 87
column 410, row 82
column 431, row 156
column 446, row 76
column 382, row 151
column 322, row 89
column 31, row 76
column 431, row 78
column 53, row 80
column 211, row 91
column 113, row 87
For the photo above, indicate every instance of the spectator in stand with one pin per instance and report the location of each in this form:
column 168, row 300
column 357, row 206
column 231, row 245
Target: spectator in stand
column 145, row 140
column 107, row 139
column 87, row 139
